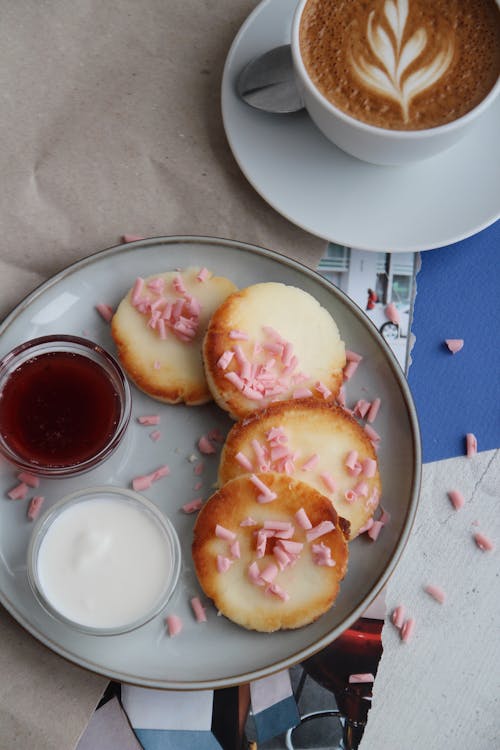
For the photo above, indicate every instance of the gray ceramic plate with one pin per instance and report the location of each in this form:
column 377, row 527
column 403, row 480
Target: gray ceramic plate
column 317, row 186
column 217, row 653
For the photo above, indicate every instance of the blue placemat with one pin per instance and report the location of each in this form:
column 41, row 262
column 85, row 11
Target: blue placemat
column 458, row 296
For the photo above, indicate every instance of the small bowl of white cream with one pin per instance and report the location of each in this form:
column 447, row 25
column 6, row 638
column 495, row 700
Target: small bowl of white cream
column 104, row 560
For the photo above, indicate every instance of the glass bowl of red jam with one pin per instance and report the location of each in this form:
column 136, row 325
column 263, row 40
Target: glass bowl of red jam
column 65, row 405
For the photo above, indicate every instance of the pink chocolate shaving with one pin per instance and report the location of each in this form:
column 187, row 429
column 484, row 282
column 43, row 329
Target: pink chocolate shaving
column 34, row 507
column 398, row 616
column 454, row 345
column 105, row 311
column 155, row 435
column 269, row 573
column 322, row 555
column 350, row 369
column 352, row 356
column 266, row 495
column 375, row 530
column 311, row 463
column 238, row 335
column 19, row 492
column 273, row 588
column 436, row 592
column 328, row 481
column 407, row 630
column 323, row 390
column 174, row 625
column 303, row 519
column 392, row 313
column 223, row 563
column 30, row 479
column 193, row 505
column 368, row 467
column 248, row 521
column 243, row 461
column 222, row 533
column 131, row 237
column 361, row 408
column 483, row 542
column 373, row 410
column 235, row 549
column 198, row 469
column 203, row 275
column 471, row 444
column 149, row 419
column 224, row 359
column 198, row 610
column 205, row 445
column 322, row 528
column 456, row 499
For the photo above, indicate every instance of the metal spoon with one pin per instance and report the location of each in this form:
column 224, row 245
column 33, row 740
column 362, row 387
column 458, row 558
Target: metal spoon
column 268, row 82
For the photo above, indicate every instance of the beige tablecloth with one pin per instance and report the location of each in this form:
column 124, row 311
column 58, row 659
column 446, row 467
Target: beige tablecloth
column 110, row 123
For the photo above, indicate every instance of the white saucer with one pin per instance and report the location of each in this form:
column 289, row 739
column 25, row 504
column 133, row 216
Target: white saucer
column 330, row 194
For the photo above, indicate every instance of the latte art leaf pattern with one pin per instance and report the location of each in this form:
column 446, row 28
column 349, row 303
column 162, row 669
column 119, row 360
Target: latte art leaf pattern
column 389, row 77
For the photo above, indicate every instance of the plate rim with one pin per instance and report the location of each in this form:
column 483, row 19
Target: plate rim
column 302, row 654
column 409, row 246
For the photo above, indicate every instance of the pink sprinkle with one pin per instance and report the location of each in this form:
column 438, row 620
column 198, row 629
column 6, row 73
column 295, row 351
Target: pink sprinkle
column 238, row 335
column 150, row 419
column 454, row 345
column 322, row 555
column 174, row 625
column 131, row 237
column 373, row 410
column 456, row 498
column 193, row 506
column 137, row 290
column 292, row 548
column 369, row 467
column 18, row 492
column 471, row 444
column 372, row 434
column 361, row 408
column 30, row 479
column 350, row 496
column 155, row 435
column 235, row 549
column 34, row 507
column 436, row 592
column 392, row 313
column 243, row 461
column 266, row 495
column 203, row 274
column 328, row 481
column 105, row 311
column 142, row 483
column 223, row 533
column 361, row 489
column 362, row 677
column 311, row 463
column 407, row 630
column 322, row 528
column 278, row 591
column 303, row 519
column 162, row 471
column 224, row 359
column 323, row 390
column 352, row 356
column 223, row 563
column 483, row 542
column 375, row 529
column 398, row 616
column 269, row 573
column 367, row 526
column 302, row 393
column 198, row 469
column 248, row 521
column 198, row 609
column 205, row 446
column 350, row 369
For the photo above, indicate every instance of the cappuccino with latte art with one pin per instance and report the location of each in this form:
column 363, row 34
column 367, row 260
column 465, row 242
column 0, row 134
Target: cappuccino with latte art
column 402, row 64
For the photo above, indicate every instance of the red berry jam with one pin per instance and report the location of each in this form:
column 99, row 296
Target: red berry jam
column 58, row 409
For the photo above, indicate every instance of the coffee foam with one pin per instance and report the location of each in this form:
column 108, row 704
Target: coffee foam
column 402, row 64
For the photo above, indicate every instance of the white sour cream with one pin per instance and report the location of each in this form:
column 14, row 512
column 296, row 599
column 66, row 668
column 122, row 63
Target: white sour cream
column 104, row 563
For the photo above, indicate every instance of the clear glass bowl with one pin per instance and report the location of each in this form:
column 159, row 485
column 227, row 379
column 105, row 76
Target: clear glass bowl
column 26, row 356
column 62, row 548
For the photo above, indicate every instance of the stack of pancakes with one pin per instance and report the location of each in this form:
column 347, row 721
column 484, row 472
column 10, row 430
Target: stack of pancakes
column 298, row 475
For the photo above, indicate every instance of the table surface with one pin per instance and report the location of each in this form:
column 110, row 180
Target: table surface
column 111, row 124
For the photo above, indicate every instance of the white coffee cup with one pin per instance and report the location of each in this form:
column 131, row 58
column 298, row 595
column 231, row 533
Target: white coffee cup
column 372, row 143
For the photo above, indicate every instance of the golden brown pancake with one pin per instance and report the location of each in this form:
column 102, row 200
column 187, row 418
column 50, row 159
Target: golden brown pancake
column 286, row 598
column 169, row 369
column 281, row 344
column 323, row 434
